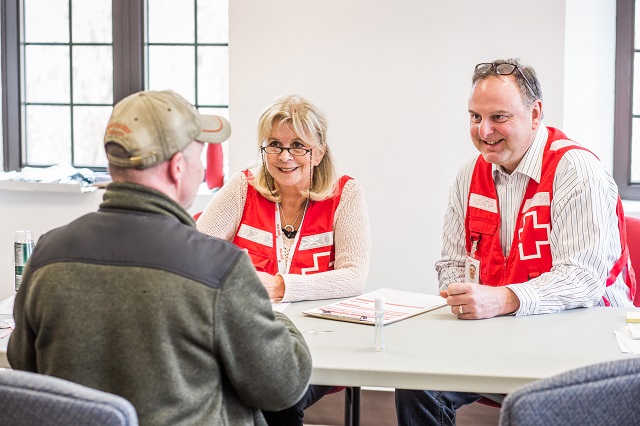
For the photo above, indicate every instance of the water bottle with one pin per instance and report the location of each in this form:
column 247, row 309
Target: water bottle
column 23, row 247
column 378, row 342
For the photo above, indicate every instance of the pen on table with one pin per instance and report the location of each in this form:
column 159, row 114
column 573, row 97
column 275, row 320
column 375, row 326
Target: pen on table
column 378, row 343
column 345, row 316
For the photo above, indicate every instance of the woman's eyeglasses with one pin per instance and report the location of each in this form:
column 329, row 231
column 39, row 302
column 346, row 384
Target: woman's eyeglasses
column 279, row 149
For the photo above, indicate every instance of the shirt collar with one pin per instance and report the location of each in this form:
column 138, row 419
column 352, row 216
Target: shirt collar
column 131, row 196
column 531, row 163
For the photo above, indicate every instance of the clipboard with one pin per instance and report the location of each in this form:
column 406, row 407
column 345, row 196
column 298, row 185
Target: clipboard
column 399, row 305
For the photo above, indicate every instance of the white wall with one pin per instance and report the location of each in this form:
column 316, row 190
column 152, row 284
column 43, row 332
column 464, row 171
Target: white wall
column 589, row 84
column 41, row 212
column 393, row 78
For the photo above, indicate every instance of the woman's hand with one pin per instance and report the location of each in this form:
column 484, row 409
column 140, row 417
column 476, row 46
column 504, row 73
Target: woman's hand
column 273, row 283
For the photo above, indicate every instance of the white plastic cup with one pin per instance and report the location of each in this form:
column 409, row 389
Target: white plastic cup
column 378, row 341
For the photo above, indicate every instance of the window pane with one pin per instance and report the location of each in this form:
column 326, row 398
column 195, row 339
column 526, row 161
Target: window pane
column 637, row 24
column 47, row 73
column 92, row 74
column 48, row 131
column 173, row 68
column 213, row 21
column 223, row 112
column 1, row 130
column 59, row 71
column 213, row 75
column 89, row 124
column 171, row 21
column 635, row 151
column 46, row 21
column 91, row 21
column 636, row 84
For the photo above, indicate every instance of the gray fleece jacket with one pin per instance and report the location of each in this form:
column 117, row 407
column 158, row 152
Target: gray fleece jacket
column 133, row 300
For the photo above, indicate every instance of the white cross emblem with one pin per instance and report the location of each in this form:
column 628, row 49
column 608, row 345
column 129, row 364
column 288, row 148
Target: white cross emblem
column 316, row 266
column 538, row 242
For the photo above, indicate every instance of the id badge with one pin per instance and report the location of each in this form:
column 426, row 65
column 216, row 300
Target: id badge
column 472, row 270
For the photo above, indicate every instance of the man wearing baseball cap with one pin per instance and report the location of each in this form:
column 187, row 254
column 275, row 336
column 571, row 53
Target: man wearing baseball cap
column 133, row 300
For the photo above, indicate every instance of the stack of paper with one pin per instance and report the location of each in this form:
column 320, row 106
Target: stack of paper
column 360, row 309
column 629, row 335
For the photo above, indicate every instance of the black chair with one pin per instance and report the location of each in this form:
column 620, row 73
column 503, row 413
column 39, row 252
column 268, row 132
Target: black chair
column 30, row 399
column 599, row 394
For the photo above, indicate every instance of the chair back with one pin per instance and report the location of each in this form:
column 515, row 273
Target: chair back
column 599, row 394
column 633, row 242
column 31, row 399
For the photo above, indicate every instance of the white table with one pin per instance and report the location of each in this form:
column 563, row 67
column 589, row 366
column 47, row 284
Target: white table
column 436, row 350
column 6, row 307
column 4, row 363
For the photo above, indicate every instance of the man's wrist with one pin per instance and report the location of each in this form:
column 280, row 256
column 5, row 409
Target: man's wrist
column 512, row 302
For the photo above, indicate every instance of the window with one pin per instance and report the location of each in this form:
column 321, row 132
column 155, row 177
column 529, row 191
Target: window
column 1, row 37
column 68, row 81
column 68, row 61
column 626, row 168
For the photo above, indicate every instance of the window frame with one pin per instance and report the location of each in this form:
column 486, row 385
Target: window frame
column 11, row 107
column 130, row 73
column 625, row 23
column 128, row 18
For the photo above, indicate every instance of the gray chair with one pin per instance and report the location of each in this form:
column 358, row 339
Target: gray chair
column 30, row 399
column 599, row 394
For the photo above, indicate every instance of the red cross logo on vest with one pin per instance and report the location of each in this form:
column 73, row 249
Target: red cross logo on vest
column 538, row 235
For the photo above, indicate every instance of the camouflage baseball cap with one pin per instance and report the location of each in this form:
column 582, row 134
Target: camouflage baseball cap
column 152, row 126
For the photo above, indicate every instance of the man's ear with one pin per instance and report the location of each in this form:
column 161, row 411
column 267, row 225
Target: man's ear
column 536, row 114
column 176, row 167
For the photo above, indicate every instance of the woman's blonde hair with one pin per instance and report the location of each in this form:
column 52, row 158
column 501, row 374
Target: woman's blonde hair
column 310, row 124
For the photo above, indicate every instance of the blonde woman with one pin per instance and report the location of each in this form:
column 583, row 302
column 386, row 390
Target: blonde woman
column 305, row 229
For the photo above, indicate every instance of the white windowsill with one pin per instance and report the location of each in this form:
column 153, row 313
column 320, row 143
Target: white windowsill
column 12, row 185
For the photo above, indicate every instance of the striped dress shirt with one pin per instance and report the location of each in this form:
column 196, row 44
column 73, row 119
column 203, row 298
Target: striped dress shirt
column 584, row 239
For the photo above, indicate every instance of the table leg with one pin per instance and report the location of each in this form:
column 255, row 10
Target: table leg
column 352, row 406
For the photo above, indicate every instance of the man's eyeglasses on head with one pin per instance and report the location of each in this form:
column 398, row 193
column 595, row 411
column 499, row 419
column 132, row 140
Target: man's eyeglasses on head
column 279, row 149
column 504, row 68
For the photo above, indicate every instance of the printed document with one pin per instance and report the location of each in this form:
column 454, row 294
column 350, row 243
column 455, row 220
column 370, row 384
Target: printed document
column 399, row 305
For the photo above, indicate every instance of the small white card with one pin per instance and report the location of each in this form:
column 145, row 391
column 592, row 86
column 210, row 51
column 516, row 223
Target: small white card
column 634, row 330
column 472, row 270
column 279, row 306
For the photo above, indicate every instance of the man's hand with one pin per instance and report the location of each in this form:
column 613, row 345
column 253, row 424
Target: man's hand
column 473, row 301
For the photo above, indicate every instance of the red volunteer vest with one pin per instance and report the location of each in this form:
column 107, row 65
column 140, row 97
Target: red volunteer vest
column 315, row 248
column 530, row 253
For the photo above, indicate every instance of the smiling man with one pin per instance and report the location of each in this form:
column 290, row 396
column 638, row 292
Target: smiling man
column 535, row 215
